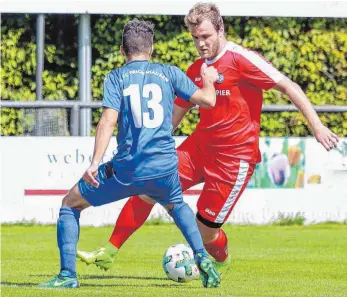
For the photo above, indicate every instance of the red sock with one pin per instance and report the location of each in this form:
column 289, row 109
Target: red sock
column 133, row 215
column 218, row 248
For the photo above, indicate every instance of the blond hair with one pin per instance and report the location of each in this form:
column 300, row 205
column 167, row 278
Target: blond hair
column 204, row 11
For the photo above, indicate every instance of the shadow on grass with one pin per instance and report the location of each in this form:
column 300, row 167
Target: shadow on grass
column 14, row 284
column 109, row 277
column 86, row 285
column 121, row 277
column 169, row 285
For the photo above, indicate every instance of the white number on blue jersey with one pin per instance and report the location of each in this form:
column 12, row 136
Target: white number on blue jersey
column 154, row 103
column 135, row 103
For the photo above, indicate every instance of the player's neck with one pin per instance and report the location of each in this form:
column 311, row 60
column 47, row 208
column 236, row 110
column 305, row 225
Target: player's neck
column 222, row 44
column 137, row 58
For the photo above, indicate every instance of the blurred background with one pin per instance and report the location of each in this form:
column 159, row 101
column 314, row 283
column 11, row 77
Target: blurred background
column 53, row 63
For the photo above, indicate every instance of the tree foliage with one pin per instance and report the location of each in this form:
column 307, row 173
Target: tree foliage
column 312, row 52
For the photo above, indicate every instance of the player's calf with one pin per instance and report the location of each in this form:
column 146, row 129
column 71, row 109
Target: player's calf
column 216, row 244
column 185, row 221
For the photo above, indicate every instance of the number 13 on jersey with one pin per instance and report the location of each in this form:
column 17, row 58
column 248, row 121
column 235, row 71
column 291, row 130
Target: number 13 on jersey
column 142, row 118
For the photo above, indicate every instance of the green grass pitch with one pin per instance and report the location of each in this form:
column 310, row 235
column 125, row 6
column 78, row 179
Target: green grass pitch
column 298, row 261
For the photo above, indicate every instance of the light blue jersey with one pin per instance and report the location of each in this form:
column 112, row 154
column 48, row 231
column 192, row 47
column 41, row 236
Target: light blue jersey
column 144, row 93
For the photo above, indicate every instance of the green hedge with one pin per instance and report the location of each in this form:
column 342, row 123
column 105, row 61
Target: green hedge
column 310, row 51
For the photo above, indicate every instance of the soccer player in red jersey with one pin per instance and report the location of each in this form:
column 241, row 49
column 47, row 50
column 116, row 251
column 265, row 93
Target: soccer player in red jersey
column 224, row 149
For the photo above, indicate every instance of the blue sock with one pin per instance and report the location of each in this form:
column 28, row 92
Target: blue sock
column 68, row 229
column 184, row 218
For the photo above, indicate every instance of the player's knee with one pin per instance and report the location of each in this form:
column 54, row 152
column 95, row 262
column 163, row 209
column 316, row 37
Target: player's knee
column 75, row 200
column 208, row 234
column 147, row 199
column 68, row 201
column 177, row 205
column 207, row 222
column 169, row 207
column 209, row 230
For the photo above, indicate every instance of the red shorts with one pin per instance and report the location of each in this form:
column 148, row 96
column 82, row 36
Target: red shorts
column 225, row 180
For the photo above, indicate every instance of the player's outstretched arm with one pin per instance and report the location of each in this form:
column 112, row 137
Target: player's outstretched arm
column 206, row 96
column 103, row 135
column 178, row 114
column 297, row 96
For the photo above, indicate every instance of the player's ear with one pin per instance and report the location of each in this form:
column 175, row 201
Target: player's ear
column 221, row 31
column 151, row 51
column 121, row 49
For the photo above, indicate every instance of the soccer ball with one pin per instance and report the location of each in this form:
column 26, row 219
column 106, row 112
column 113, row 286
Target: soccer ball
column 179, row 264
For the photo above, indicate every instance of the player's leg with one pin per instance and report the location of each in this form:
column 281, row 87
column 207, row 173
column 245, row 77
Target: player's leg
column 138, row 208
column 184, row 218
column 169, row 194
column 215, row 204
column 67, row 238
column 134, row 213
column 216, row 243
column 132, row 216
column 80, row 197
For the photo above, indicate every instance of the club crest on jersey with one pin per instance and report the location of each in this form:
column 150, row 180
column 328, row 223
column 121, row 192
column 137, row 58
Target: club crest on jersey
column 197, row 78
column 220, row 78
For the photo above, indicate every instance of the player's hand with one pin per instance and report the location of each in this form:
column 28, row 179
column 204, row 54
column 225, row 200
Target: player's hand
column 209, row 72
column 90, row 175
column 326, row 137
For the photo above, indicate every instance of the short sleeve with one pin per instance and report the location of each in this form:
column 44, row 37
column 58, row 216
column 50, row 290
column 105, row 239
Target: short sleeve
column 112, row 92
column 181, row 102
column 183, row 86
column 257, row 71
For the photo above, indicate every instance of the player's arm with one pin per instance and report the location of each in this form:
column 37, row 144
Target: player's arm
column 206, row 96
column 111, row 103
column 188, row 92
column 178, row 114
column 297, row 96
column 181, row 106
column 256, row 70
column 104, row 132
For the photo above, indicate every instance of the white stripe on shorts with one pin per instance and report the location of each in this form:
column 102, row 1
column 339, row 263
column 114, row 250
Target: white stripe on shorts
column 241, row 177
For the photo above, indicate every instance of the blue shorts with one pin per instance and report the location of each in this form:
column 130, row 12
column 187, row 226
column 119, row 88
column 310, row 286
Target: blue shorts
column 164, row 190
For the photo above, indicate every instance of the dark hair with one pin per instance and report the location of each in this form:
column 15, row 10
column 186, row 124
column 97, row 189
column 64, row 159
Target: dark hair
column 137, row 37
column 204, row 11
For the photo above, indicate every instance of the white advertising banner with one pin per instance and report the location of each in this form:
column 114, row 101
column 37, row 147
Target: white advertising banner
column 296, row 176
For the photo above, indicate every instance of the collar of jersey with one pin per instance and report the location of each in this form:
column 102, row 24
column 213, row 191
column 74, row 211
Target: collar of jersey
column 137, row 61
column 221, row 54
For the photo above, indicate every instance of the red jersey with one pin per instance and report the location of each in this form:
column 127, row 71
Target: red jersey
column 231, row 128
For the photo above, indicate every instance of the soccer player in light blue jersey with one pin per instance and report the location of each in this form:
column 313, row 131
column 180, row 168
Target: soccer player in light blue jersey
column 140, row 96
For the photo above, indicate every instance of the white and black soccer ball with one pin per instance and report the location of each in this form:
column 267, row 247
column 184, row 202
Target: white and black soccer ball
column 179, row 264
